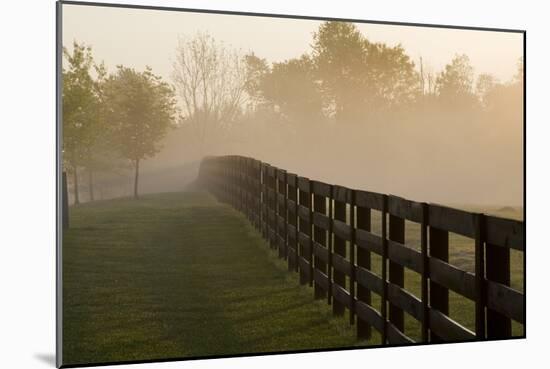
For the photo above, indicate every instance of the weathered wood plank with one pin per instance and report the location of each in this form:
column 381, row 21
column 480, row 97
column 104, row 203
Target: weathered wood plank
column 320, row 278
column 341, row 194
column 320, row 188
column 281, row 226
column 303, row 213
column 341, row 264
column 368, row 241
column 447, row 329
column 320, row 251
column 281, row 200
column 396, row 337
column 506, row 300
column 304, row 267
column 405, row 256
column 271, row 170
column 291, row 206
column 452, row 277
column 303, row 184
column 369, row 280
column 405, row 301
column 321, row 221
column 341, row 295
column 304, row 241
column 452, row 220
column 270, row 194
column 404, row 208
column 505, row 232
column 291, row 179
column 281, row 240
column 371, row 200
column 341, row 229
column 291, row 231
column 369, row 315
column 271, row 215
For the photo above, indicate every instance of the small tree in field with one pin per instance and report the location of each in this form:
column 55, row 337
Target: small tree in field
column 210, row 80
column 140, row 109
column 80, row 110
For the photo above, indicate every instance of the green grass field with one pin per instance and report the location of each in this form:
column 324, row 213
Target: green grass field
column 180, row 275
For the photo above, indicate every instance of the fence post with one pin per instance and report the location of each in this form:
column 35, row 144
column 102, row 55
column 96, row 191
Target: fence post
column 304, row 199
column 425, row 273
column 439, row 295
column 479, row 276
column 339, row 247
column 280, row 199
column 292, row 233
column 330, row 245
column 498, row 270
column 384, row 297
column 258, row 195
column 64, row 201
column 364, row 261
column 396, row 271
column 272, row 206
column 263, row 212
column 320, row 236
column 352, row 248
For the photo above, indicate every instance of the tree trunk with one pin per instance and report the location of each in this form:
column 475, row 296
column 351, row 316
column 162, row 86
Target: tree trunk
column 136, row 180
column 75, row 186
column 91, row 185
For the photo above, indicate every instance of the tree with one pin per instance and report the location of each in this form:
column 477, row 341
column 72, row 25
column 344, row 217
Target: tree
column 256, row 71
column 486, row 84
column 210, row 79
column 455, row 83
column 339, row 54
column 290, row 87
column 357, row 76
column 80, row 110
column 391, row 73
column 141, row 108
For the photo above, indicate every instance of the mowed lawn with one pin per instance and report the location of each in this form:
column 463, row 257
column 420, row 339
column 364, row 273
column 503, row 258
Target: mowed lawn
column 181, row 275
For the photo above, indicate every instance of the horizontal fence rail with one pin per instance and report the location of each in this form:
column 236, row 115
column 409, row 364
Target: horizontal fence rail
column 329, row 235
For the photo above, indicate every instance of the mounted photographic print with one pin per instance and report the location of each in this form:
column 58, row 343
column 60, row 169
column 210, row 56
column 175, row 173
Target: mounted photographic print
column 238, row 184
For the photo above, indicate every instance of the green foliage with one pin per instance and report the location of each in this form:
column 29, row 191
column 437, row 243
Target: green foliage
column 339, row 51
column 454, row 84
column 361, row 76
column 394, row 82
column 140, row 108
column 291, row 88
column 81, row 124
column 256, row 70
column 345, row 77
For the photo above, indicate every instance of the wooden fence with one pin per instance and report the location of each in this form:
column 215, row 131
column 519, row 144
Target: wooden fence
column 324, row 232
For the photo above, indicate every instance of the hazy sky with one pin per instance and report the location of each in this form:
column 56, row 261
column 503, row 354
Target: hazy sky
column 136, row 38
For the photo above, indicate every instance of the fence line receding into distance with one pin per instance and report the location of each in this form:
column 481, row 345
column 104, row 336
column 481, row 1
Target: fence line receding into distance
column 327, row 234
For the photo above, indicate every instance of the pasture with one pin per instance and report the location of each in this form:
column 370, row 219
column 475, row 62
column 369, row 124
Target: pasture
column 180, row 275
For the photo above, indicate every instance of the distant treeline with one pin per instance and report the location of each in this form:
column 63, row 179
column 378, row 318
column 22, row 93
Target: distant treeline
column 114, row 121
